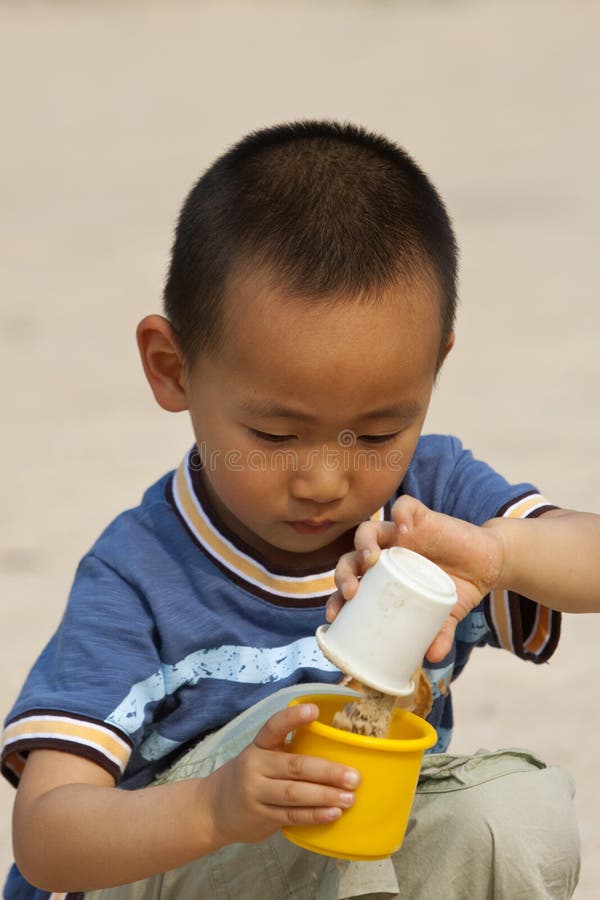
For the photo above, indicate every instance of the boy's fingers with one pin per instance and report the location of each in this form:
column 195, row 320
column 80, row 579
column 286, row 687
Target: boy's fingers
column 316, row 815
column 307, row 781
column 275, row 730
column 295, row 766
column 313, row 770
column 305, row 794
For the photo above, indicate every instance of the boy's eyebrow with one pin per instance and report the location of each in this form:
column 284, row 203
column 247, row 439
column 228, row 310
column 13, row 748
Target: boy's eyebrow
column 270, row 410
column 394, row 411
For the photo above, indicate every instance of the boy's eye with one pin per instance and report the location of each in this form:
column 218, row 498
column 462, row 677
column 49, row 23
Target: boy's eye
column 378, row 438
column 271, row 438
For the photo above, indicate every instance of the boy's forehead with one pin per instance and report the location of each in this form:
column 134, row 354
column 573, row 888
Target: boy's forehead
column 259, row 307
column 288, row 355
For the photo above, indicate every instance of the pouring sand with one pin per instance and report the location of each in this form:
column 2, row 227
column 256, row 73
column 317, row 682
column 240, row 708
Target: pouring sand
column 370, row 715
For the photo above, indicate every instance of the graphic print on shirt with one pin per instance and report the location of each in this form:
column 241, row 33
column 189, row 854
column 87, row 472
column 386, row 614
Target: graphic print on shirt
column 238, row 664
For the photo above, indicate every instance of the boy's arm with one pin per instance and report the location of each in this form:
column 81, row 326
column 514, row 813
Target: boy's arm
column 551, row 559
column 73, row 830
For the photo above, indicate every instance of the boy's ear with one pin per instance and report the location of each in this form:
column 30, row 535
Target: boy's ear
column 445, row 350
column 163, row 362
column 449, row 344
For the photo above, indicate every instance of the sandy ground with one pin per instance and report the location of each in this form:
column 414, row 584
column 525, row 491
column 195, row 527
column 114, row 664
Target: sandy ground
column 111, row 110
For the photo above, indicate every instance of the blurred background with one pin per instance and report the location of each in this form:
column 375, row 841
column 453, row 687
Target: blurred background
column 110, row 110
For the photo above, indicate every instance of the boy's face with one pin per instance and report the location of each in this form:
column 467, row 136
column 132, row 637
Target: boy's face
column 307, row 416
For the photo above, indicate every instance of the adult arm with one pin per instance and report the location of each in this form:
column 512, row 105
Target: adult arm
column 552, row 559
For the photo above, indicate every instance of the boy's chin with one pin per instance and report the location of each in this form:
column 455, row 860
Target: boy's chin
column 299, row 546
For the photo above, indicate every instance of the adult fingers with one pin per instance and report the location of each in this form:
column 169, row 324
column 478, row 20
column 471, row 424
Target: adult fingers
column 406, row 510
column 347, row 572
column 442, row 643
column 333, row 606
column 371, row 537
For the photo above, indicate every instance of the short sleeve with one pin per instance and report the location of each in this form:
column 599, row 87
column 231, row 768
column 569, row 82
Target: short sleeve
column 104, row 644
column 449, row 479
column 518, row 624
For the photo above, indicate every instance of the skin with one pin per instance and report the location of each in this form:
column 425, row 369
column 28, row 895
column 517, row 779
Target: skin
column 552, row 559
column 277, row 382
column 366, row 368
column 73, row 831
column 280, row 385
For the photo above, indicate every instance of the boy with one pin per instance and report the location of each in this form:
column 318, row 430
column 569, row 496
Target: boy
column 310, row 304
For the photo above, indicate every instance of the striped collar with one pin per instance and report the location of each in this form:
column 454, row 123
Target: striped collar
column 243, row 564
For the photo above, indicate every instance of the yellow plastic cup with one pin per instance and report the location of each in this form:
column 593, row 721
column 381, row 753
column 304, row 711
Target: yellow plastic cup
column 375, row 825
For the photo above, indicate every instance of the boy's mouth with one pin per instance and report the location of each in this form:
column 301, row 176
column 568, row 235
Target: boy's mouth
column 312, row 526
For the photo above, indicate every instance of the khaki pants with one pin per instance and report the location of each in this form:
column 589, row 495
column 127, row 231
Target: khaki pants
column 494, row 826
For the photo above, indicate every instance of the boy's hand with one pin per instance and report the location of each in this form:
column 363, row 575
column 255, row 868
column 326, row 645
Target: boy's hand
column 473, row 556
column 74, row 831
column 265, row 787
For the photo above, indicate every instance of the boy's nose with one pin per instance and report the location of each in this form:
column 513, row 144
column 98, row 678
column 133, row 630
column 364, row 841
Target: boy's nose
column 319, row 483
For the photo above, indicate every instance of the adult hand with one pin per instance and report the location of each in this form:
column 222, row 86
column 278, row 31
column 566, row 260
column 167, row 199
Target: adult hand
column 472, row 555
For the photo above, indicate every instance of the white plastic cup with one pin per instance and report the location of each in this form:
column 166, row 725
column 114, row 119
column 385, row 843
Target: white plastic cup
column 380, row 636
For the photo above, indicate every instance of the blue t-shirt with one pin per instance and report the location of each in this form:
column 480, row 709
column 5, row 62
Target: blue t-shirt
column 174, row 626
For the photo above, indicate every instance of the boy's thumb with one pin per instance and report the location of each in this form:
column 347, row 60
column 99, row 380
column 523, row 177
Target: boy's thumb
column 275, row 730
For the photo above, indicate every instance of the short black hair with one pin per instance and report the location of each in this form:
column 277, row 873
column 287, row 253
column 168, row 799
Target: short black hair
column 331, row 208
